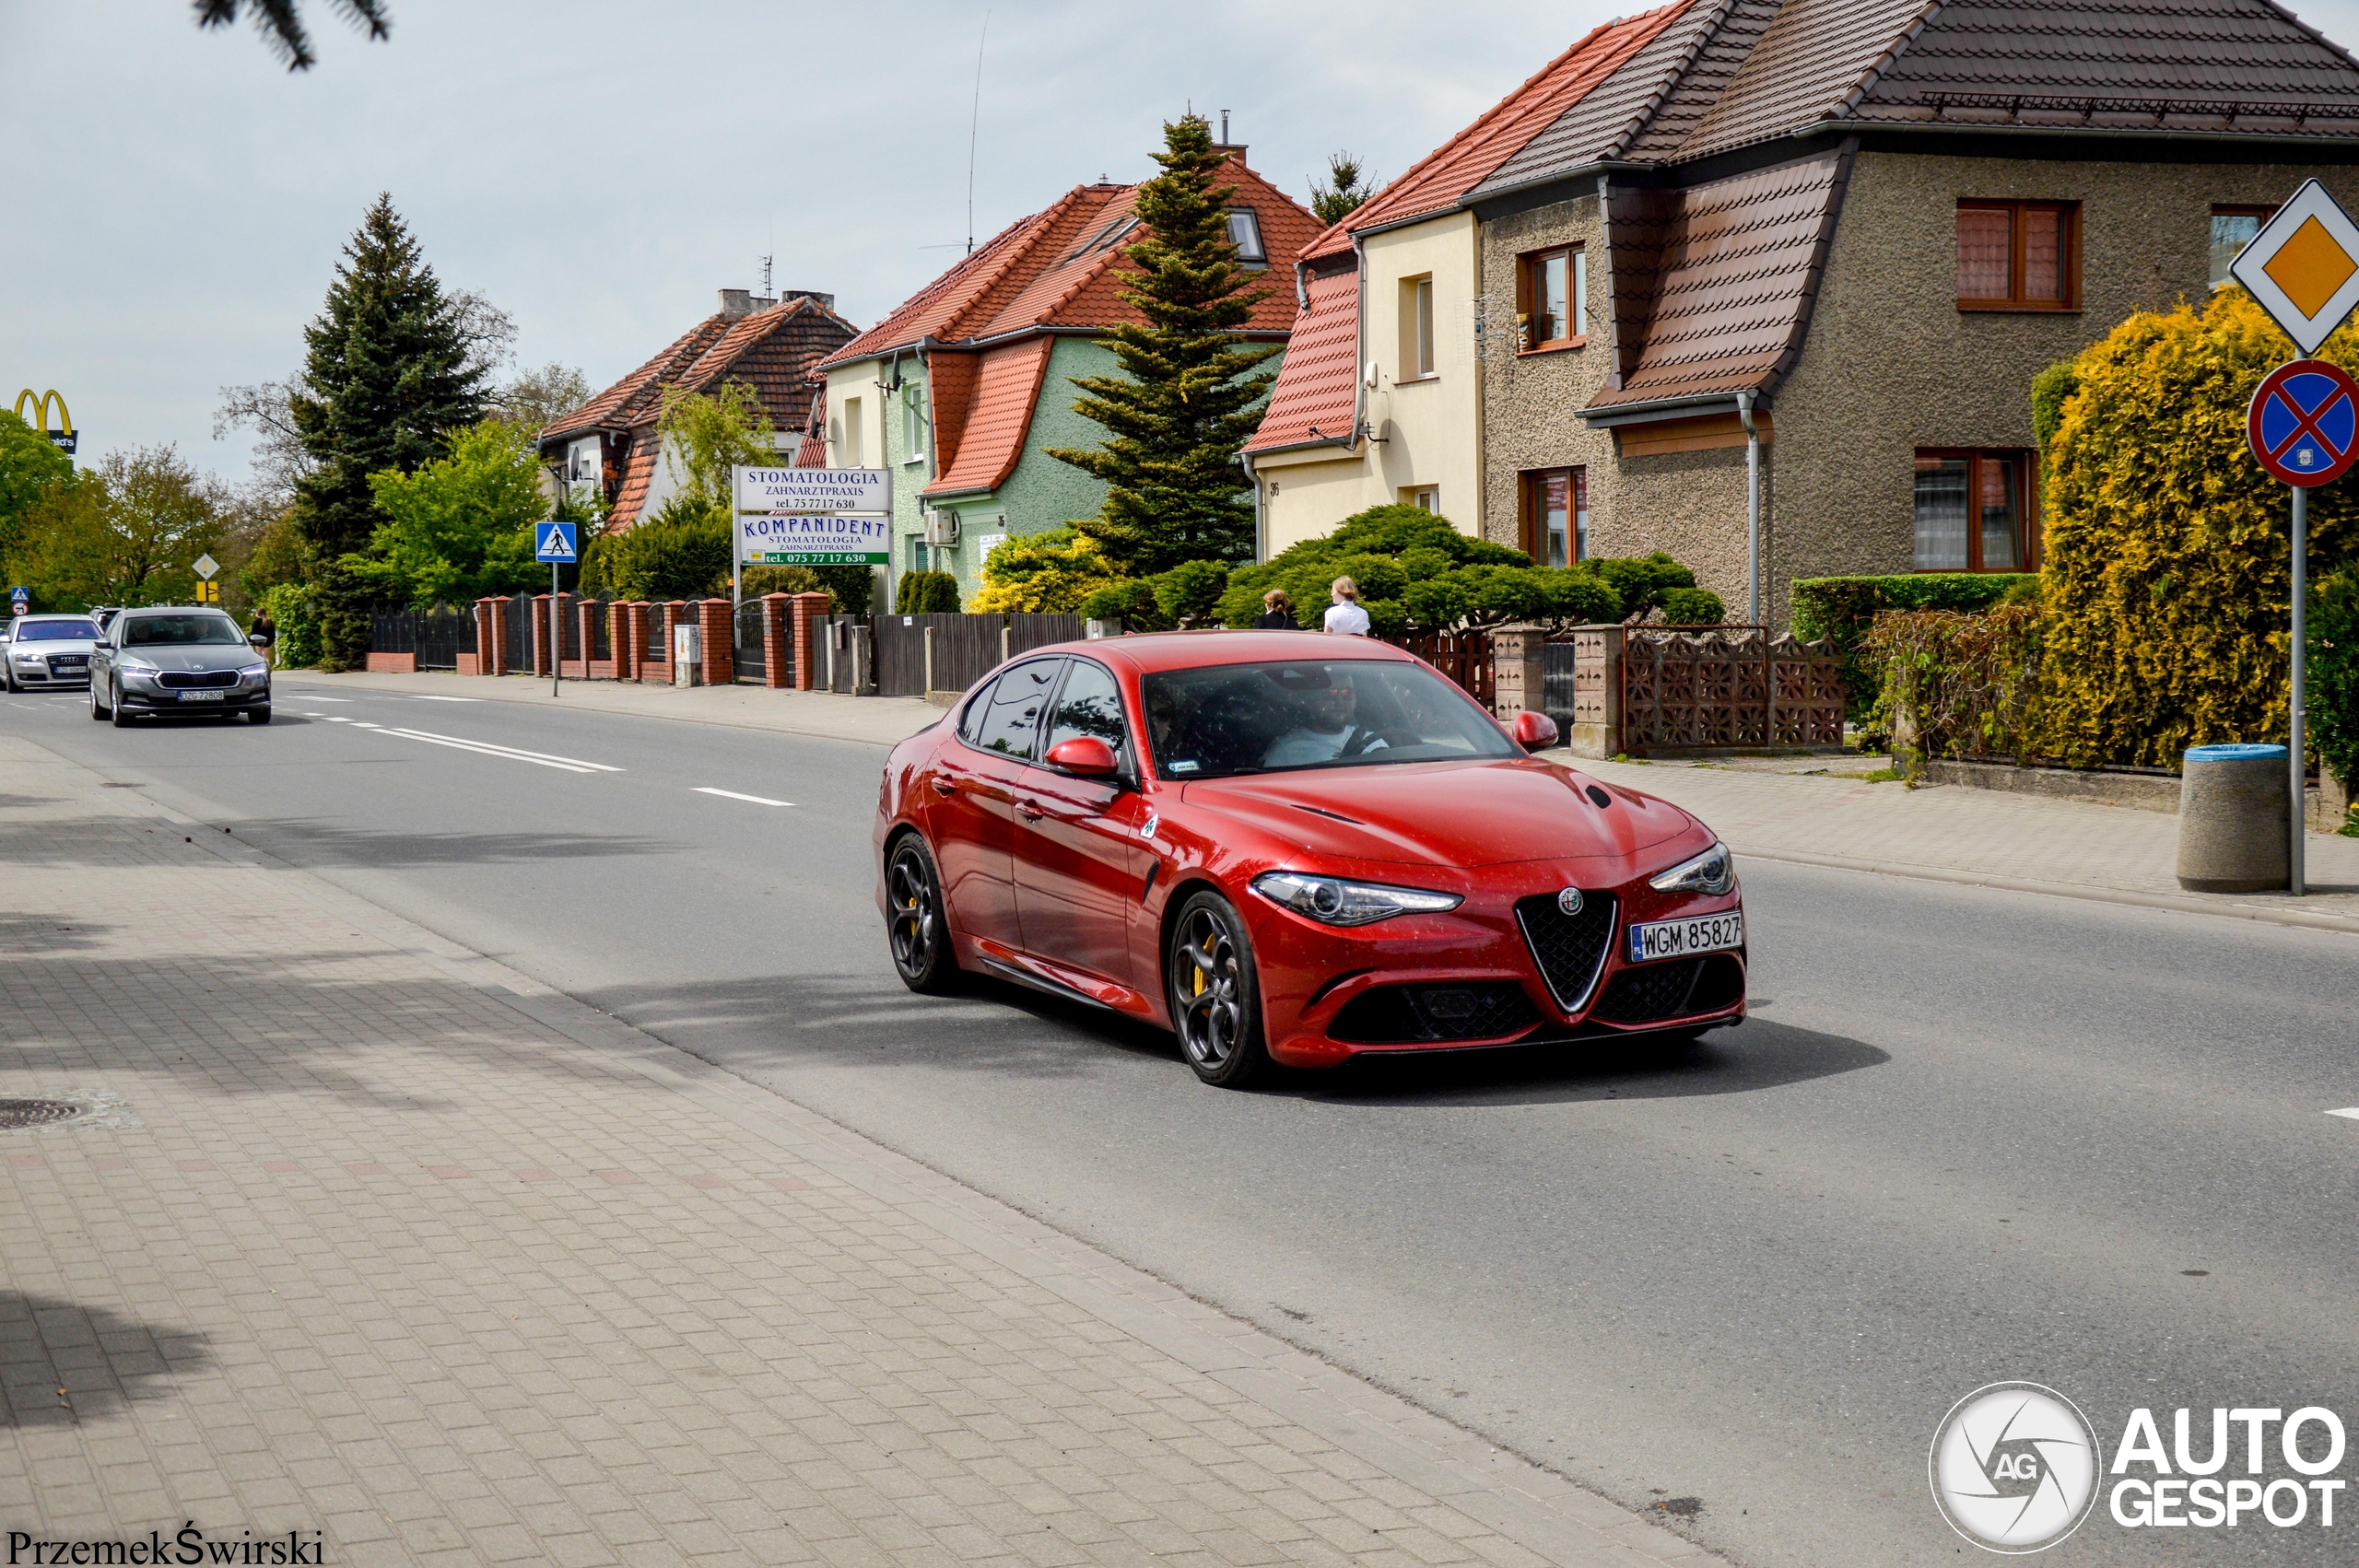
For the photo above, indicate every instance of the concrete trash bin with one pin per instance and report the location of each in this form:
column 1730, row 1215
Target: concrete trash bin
column 2232, row 819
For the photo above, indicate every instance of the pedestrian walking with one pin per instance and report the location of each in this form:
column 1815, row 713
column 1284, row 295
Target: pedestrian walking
column 1277, row 612
column 1345, row 616
column 263, row 632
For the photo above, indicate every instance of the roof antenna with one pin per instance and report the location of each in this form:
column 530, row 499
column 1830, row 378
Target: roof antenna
column 973, row 122
column 766, row 277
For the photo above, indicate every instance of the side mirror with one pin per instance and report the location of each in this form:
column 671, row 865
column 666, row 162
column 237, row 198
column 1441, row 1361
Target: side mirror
column 1534, row 731
column 257, row 641
column 1084, row 757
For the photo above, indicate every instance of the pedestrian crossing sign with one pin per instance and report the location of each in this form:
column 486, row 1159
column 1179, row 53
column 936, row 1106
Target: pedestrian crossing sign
column 557, row 543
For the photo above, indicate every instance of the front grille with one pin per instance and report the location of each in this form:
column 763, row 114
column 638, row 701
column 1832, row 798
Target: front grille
column 1412, row 1014
column 69, row 660
column 1569, row 949
column 1679, row 989
column 197, row 679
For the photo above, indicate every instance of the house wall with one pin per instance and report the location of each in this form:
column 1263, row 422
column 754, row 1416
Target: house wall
column 1305, row 494
column 1890, row 364
column 1040, row 492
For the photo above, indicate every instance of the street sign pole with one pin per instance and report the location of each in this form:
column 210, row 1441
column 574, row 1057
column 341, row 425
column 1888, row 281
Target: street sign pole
column 557, row 548
column 557, row 632
column 2294, row 709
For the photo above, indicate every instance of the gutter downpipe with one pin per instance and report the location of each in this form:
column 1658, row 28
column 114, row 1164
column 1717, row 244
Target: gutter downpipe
column 1751, row 507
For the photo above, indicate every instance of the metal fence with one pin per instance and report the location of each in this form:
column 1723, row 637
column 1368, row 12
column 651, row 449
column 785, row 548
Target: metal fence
column 602, row 636
column 1466, row 657
column 520, row 633
column 436, row 637
column 748, row 652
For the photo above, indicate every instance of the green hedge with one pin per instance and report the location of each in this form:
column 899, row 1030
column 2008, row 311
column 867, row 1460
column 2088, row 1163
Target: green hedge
column 926, row 593
column 1841, row 608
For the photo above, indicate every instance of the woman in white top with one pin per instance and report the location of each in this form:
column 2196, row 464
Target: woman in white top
column 1345, row 614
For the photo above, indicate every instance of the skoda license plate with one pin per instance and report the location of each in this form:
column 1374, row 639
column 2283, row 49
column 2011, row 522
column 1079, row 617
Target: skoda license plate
column 201, row 696
column 1679, row 939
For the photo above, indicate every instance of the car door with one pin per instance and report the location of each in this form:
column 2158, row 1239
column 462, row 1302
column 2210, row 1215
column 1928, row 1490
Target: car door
column 973, row 814
column 1079, row 859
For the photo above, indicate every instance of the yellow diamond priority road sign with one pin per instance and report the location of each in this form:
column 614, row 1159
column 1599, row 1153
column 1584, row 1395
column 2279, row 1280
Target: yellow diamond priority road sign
column 2304, row 266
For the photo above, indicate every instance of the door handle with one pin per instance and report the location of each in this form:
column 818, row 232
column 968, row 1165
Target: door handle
column 943, row 786
column 1031, row 811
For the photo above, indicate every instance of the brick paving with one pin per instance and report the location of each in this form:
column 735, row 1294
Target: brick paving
column 370, row 1237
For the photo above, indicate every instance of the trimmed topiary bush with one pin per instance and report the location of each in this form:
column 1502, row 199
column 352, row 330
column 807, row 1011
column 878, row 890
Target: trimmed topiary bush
column 926, row 593
column 1692, row 607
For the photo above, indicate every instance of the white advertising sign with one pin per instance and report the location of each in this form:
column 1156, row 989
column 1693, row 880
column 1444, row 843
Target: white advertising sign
column 808, row 492
column 839, row 540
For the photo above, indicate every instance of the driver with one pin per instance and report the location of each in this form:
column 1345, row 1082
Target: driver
column 1327, row 730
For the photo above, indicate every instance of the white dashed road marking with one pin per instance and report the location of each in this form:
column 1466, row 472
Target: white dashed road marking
column 2350, row 1111
column 426, row 696
column 733, row 795
column 543, row 759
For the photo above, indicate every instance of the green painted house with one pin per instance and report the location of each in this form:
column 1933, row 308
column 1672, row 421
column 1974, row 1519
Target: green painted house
column 964, row 389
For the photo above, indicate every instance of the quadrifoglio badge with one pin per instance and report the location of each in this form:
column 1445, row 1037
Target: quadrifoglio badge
column 2016, row 1467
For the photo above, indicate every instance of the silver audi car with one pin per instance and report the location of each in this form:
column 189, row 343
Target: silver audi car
column 40, row 651
column 177, row 660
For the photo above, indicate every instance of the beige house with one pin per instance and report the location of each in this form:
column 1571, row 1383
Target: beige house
column 1864, row 226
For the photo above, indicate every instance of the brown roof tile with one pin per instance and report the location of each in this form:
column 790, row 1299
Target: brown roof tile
column 1007, row 386
column 1316, row 389
column 639, row 472
column 1602, row 122
column 1730, row 294
column 618, row 407
column 1437, row 182
column 1809, row 58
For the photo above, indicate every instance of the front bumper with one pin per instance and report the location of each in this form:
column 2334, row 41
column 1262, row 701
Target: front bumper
column 1470, row 979
column 41, row 674
column 147, row 696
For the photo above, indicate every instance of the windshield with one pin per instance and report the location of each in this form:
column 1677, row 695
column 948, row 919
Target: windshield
column 56, row 631
column 180, row 631
column 1238, row 718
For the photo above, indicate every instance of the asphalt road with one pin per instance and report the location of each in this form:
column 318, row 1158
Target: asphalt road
column 1968, row 1136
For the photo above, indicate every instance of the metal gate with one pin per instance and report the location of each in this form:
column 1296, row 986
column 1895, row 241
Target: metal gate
column 748, row 651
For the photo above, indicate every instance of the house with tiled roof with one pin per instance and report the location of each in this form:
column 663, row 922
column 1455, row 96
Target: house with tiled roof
column 962, row 390
column 1862, row 227
column 769, row 346
column 1380, row 400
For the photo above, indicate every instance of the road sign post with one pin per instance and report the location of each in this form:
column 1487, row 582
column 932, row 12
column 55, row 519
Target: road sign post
column 557, row 549
column 2303, row 267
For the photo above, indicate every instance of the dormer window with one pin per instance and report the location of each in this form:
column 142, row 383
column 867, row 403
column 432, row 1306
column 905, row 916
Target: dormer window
column 1245, row 233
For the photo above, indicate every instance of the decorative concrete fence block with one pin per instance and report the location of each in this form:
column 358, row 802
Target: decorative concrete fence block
column 1518, row 673
column 2232, row 819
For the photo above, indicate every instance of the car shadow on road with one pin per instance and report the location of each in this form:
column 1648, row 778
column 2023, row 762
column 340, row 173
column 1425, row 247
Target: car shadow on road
column 1758, row 1055
column 69, row 1363
column 309, row 841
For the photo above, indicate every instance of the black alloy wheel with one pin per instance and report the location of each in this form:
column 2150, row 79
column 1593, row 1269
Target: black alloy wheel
column 1216, row 993
column 915, row 921
column 121, row 715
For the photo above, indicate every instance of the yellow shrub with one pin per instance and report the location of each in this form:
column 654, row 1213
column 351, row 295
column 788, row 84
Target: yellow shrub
column 2168, row 574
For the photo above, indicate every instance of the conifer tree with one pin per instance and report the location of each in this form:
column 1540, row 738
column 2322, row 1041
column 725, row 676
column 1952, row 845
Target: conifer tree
column 1188, row 399
column 385, row 385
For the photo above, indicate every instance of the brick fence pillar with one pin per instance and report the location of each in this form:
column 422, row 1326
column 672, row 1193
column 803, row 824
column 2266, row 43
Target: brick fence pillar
column 622, row 639
column 715, row 624
column 485, row 646
column 806, row 609
column 494, row 623
column 775, row 646
column 543, row 654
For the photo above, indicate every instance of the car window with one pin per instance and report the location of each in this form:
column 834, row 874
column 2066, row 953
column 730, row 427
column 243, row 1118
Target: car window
column 1091, row 704
column 180, row 631
column 56, row 631
column 1236, row 719
column 1012, row 727
column 971, row 722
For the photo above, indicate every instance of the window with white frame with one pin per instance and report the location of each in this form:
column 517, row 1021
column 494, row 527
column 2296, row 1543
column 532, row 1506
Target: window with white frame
column 849, row 455
column 1245, row 233
column 912, row 421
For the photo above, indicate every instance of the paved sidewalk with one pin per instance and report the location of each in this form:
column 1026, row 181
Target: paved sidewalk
column 880, row 720
column 372, row 1237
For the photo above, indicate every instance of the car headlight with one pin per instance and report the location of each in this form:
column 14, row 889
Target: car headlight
column 134, row 667
column 1714, row 870
column 253, row 672
column 1333, row 901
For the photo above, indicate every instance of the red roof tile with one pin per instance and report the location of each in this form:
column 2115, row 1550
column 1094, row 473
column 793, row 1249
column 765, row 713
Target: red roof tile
column 1464, row 161
column 1317, row 385
column 997, row 415
column 773, row 350
column 639, row 472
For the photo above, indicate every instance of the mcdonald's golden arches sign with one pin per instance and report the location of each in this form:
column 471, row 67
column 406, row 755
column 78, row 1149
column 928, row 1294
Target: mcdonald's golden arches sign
column 64, row 436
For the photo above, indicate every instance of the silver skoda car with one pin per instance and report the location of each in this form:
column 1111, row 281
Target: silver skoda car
column 177, row 660
column 40, row 651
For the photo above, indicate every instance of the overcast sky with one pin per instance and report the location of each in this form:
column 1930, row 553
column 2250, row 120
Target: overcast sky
column 176, row 200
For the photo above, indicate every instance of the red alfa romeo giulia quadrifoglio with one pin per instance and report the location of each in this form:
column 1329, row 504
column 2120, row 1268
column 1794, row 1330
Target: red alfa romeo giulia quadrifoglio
column 1292, row 847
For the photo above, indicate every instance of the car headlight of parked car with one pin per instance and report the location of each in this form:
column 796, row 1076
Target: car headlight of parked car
column 1333, row 901
column 1714, row 870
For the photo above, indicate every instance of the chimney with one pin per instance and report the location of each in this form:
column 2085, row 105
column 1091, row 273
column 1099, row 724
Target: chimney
column 825, row 301
column 736, row 303
column 1235, row 150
